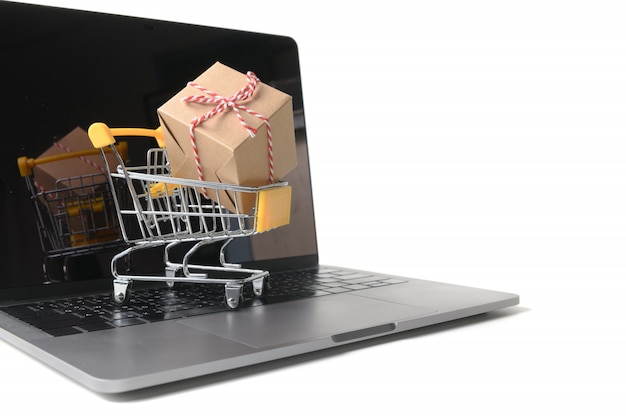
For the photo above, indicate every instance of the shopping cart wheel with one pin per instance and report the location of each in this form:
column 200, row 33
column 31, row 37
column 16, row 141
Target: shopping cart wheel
column 258, row 286
column 172, row 272
column 261, row 286
column 121, row 291
column 233, row 296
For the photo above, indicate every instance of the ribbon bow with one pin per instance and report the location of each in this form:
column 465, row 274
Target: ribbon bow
column 222, row 104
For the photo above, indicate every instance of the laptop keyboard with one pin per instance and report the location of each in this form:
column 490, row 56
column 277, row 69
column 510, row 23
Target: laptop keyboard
column 99, row 312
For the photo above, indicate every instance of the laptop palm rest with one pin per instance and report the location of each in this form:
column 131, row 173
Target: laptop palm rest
column 342, row 317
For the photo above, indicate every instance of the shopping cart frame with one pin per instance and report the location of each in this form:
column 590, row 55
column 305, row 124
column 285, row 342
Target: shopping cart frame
column 55, row 208
column 179, row 212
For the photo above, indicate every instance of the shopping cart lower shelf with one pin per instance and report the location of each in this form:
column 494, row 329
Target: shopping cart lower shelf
column 156, row 209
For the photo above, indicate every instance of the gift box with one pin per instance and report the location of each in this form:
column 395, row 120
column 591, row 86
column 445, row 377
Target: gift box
column 54, row 175
column 231, row 128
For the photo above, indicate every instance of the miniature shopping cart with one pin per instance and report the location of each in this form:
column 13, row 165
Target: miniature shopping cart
column 156, row 209
column 77, row 215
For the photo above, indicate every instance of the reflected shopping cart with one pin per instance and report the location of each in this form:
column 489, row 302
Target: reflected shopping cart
column 76, row 216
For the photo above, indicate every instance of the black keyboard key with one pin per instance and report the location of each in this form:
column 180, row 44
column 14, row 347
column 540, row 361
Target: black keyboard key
column 204, row 310
column 120, row 315
column 355, row 287
column 127, row 322
column 63, row 331
column 274, row 298
column 361, row 280
column 337, row 290
column 95, row 326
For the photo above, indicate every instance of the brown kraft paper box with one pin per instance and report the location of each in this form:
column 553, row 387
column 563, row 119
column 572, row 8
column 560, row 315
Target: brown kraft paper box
column 53, row 175
column 227, row 152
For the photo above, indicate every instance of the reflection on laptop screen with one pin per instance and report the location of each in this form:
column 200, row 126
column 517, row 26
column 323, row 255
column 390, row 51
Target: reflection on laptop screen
column 66, row 70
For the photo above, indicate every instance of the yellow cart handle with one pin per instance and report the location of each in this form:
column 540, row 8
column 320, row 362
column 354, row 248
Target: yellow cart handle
column 26, row 164
column 102, row 135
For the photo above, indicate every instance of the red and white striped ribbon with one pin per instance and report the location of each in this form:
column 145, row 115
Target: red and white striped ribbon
column 82, row 158
column 42, row 190
column 222, row 104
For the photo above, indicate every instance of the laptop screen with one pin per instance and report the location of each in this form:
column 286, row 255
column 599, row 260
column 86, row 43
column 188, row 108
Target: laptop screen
column 64, row 69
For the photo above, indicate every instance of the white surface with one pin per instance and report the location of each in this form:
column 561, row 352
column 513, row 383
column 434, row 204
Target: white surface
column 497, row 129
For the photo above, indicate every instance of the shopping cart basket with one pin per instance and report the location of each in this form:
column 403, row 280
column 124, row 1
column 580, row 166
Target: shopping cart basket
column 167, row 211
column 77, row 216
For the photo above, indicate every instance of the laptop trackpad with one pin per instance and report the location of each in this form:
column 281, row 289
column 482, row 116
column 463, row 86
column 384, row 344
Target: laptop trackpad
column 342, row 317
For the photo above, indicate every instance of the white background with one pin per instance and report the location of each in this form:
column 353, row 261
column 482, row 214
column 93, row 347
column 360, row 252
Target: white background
column 493, row 136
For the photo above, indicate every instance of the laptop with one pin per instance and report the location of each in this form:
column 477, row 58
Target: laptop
column 64, row 69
